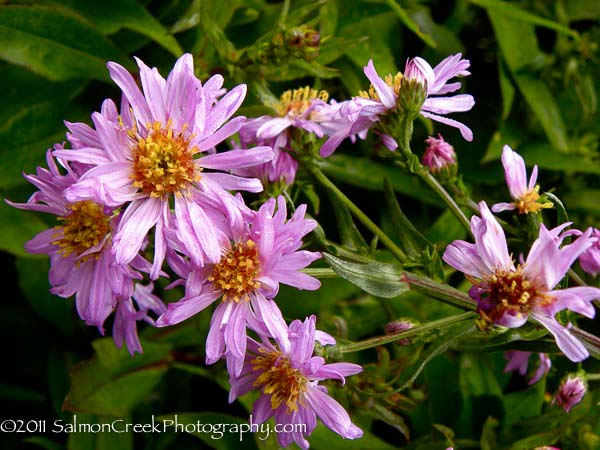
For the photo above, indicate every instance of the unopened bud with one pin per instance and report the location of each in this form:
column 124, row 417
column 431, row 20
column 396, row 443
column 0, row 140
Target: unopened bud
column 570, row 392
column 398, row 326
column 439, row 154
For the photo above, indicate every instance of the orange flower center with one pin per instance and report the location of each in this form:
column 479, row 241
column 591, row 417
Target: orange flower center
column 85, row 227
column 529, row 203
column 512, row 291
column 236, row 272
column 282, row 382
column 163, row 162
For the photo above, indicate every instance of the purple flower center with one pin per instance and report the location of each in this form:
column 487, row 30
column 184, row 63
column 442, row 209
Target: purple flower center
column 163, row 162
column 85, row 227
column 278, row 379
column 508, row 291
column 294, row 103
column 236, row 272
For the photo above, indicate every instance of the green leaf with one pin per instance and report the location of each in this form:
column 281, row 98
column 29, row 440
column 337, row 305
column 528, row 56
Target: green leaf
column 216, row 36
column 513, row 11
column 110, row 16
column 524, row 404
column 582, row 9
column 350, row 237
column 436, row 348
column 506, row 88
column 409, row 23
column 16, row 228
column 33, row 281
column 55, row 44
column 105, row 440
column 368, row 174
column 392, row 419
column 375, row 278
column 544, row 106
column 519, row 47
column 113, row 382
column 21, row 394
column 413, row 242
column 325, row 439
column 547, row 158
column 44, row 442
column 218, row 430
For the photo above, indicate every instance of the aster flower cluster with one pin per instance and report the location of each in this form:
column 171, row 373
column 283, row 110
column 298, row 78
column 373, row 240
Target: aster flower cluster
column 144, row 193
column 149, row 193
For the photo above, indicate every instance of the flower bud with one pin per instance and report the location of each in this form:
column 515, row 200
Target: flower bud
column 590, row 259
column 439, row 154
column 398, row 326
column 570, row 392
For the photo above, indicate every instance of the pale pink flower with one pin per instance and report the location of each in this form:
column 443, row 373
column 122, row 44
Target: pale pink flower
column 509, row 295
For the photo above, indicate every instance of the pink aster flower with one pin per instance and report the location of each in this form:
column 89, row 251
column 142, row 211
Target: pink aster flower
column 155, row 154
column 525, row 195
column 261, row 251
column 518, row 361
column 590, row 259
column 438, row 154
column 570, row 392
column 509, row 295
column 365, row 111
column 289, row 384
column 81, row 260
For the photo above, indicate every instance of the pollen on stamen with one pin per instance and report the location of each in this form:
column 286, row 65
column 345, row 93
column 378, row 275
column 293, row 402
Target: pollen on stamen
column 85, row 227
column 163, row 162
column 283, row 383
column 510, row 290
column 296, row 102
column 529, row 202
column 236, row 273
column 393, row 81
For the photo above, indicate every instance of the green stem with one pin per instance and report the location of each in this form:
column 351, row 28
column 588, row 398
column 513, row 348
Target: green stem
column 361, row 216
column 435, row 185
column 593, row 376
column 416, row 331
column 320, row 272
column 439, row 291
column 576, row 278
column 406, row 127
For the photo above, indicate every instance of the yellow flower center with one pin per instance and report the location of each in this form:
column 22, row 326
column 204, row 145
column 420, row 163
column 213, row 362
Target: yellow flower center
column 528, row 203
column 163, row 162
column 85, row 227
column 283, row 383
column 295, row 102
column 393, row 81
column 512, row 291
column 236, row 272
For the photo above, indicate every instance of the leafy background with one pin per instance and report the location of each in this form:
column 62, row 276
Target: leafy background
column 535, row 75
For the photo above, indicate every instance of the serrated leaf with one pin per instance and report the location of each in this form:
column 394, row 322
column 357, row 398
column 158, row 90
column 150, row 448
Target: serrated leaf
column 113, row 382
column 54, row 43
column 375, row 278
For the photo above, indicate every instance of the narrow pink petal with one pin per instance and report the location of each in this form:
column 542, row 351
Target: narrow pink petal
column 153, row 85
column 225, row 108
column 221, row 134
column 445, row 105
column 236, row 159
column 186, row 308
column 130, row 89
column 139, row 217
column 568, row 344
column 273, row 127
column 270, row 314
column 385, row 92
column 465, row 131
column 332, row 414
column 234, row 183
column 515, row 173
column 499, row 207
column 197, row 231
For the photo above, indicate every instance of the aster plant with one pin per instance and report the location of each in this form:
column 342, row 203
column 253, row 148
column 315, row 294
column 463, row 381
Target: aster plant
column 247, row 224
